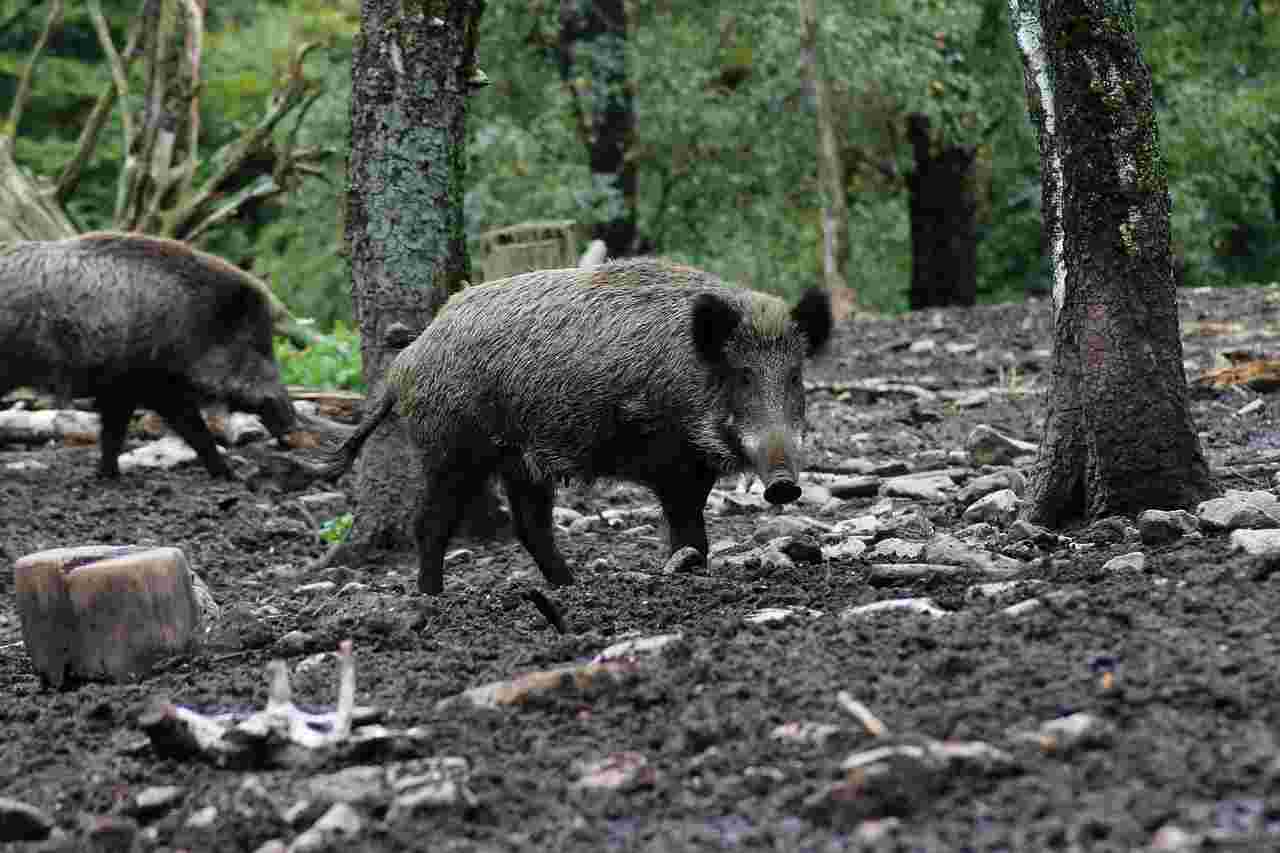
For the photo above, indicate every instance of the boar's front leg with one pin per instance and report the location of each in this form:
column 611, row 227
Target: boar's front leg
column 115, row 413
column 531, row 502
column 182, row 412
column 683, row 500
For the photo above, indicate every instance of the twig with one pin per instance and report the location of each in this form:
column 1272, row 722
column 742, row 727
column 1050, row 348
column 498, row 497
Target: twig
column 24, row 82
column 118, row 88
column 862, row 714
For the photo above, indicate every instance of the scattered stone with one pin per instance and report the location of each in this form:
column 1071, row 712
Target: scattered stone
column 1256, row 543
column 977, row 532
column 618, row 771
column 778, row 526
column 362, row 785
column 150, row 803
column 167, row 452
column 1135, row 561
column 950, row 551
column 986, row 446
column 847, row 488
column 778, row 615
column 1060, row 597
column 272, row 845
column 637, row 647
column 773, row 560
column 929, row 487
column 979, row 487
column 846, row 549
column 433, row 784
column 588, row 524
column 1024, row 531
column 998, row 508
column 1002, row 589
column 1158, row 526
column 22, row 822
column 1077, row 731
column 924, row 606
column 563, row 516
column 316, row 588
column 910, row 524
column 687, row 559
column 1234, row 511
column 325, row 504
column 802, row 548
column 862, row 526
column 341, row 823
column 240, row 428
column 294, row 642
column 804, row 731
column 894, row 574
column 897, row 549
column 1171, row 838
column 202, row 818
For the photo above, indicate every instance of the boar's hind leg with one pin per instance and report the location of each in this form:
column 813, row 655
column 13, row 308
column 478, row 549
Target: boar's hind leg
column 531, row 502
column 115, row 414
column 447, row 491
column 182, row 412
column 682, row 504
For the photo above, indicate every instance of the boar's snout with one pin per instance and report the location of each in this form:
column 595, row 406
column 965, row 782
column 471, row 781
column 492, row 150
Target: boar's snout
column 781, row 488
column 777, row 461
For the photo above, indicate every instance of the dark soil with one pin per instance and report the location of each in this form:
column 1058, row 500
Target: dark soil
column 1191, row 702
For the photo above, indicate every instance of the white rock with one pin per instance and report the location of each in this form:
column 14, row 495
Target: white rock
column 1156, row 526
column 166, row 452
column 1256, row 543
column 924, row 606
column 933, row 488
column 987, row 446
column 638, row 647
column 774, row 615
column 860, row 525
column 1233, row 512
column 1135, row 561
column 1009, row 478
column 897, row 549
column 340, row 823
column 848, row 549
column 999, row 508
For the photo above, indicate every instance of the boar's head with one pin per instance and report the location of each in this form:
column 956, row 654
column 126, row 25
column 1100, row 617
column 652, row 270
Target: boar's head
column 757, row 355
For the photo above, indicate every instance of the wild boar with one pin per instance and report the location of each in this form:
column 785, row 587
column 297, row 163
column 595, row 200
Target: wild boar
column 638, row 369
column 132, row 320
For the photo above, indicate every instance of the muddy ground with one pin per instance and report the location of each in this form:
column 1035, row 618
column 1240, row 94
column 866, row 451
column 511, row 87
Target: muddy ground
column 1176, row 663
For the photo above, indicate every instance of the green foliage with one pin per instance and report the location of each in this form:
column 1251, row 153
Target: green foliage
column 725, row 142
column 331, row 361
column 337, row 529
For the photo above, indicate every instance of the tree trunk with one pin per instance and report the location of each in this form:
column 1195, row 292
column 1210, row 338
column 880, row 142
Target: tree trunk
column 1118, row 437
column 411, row 73
column 944, row 210
column 831, row 175
column 593, row 65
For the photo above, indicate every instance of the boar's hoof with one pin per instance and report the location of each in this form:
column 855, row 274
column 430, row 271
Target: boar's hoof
column 781, row 491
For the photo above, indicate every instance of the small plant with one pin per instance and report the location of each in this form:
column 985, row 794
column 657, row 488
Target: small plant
column 330, row 361
column 335, row 530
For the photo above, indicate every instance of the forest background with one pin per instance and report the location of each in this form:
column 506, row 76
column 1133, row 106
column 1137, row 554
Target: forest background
column 725, row 143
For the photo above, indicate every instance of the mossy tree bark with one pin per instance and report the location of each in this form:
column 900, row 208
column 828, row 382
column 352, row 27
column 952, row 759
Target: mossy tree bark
column 413, row 69
column 1118, row 437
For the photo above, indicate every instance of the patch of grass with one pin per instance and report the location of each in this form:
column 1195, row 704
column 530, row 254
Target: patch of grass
column 335, row 530
column 331, row 361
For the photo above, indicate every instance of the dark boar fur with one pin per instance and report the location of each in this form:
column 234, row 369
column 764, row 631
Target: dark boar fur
column 132, row 320
column 640, row 369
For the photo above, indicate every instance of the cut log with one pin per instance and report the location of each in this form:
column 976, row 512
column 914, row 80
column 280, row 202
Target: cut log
column 105, row 612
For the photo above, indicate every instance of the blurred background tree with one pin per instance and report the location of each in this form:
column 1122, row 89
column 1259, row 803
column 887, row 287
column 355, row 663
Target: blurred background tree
column 723, row 148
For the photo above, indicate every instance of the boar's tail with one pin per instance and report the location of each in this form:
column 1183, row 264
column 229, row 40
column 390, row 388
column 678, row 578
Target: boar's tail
column 335, row 461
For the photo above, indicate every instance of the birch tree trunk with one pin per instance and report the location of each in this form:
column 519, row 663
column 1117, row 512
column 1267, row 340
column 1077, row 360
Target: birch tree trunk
column 1118, row 437
column 411, row 74
column 831, row 175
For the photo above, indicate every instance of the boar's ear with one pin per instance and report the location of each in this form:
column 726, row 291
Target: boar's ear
column 812, row 316
column 714, row 321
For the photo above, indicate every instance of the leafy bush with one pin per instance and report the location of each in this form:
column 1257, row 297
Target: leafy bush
column 331, row 361
column 335, row 530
